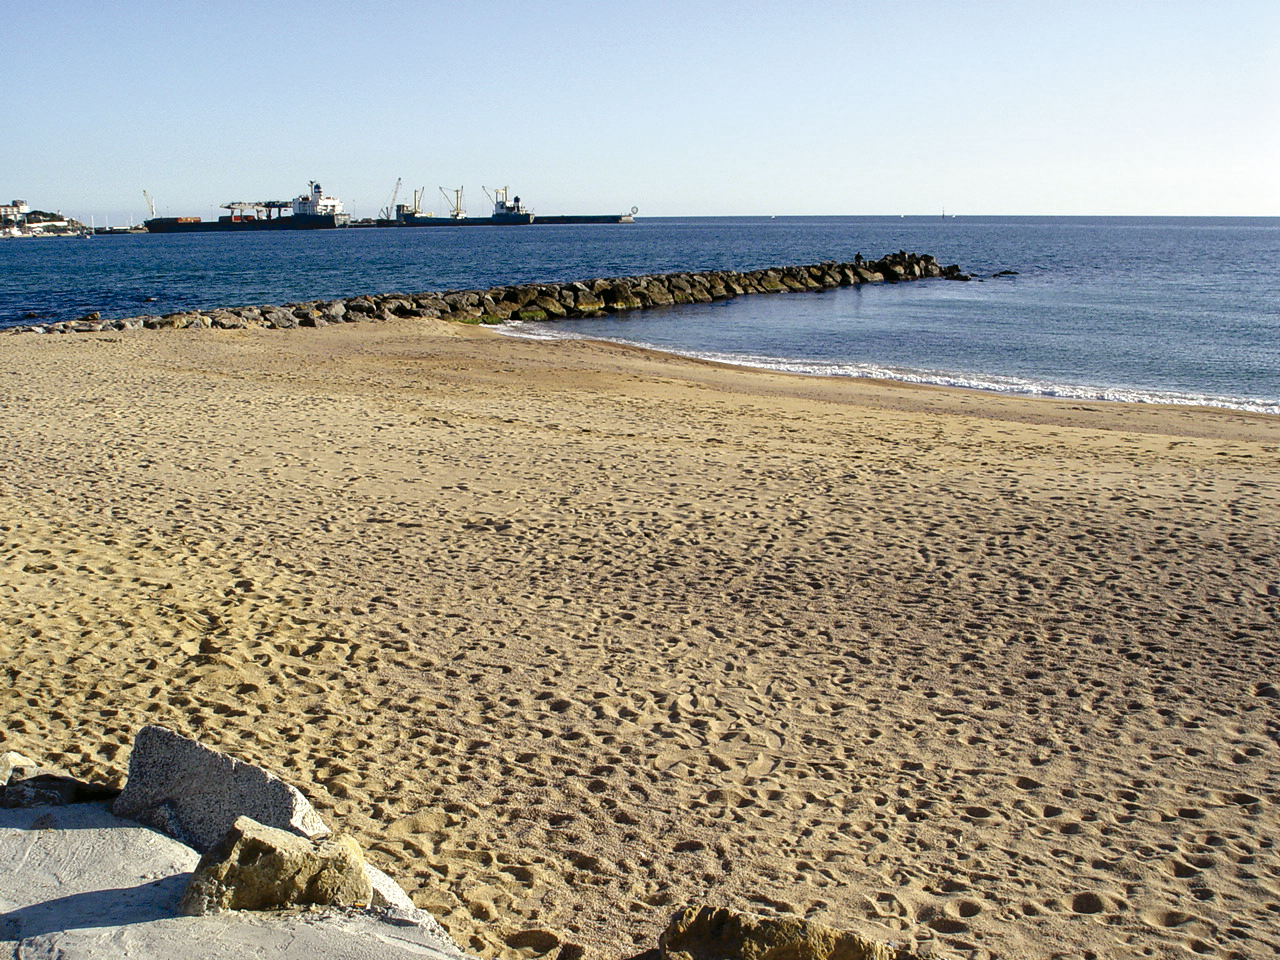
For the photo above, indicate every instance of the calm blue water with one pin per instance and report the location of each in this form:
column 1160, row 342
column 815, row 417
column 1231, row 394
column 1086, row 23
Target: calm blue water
column 1173, row 310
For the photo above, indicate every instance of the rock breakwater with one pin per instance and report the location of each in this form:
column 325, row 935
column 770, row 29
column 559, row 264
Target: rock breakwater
column 534, row 301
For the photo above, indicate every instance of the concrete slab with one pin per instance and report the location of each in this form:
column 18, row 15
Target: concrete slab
column 78, row 883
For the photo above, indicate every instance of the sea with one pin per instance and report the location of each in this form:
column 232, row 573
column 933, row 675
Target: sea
column 1146, row 309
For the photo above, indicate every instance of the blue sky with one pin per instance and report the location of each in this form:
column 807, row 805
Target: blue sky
column 688, row 108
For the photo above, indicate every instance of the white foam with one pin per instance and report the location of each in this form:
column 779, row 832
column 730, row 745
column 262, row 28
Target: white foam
column 524, row 331
column 991, row 383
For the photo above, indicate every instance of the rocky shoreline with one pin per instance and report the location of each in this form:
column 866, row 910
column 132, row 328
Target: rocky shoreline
column 533, row 301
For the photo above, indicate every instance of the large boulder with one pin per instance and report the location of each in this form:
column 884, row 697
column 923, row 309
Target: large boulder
column 588, row 303
column 698, row 290
column 361, row 305
column 710, row 933
column 620, row 297
column 464, row 313
column 502, row 309
column 769, row 281
column 310, row 318
column 195, row 794
column 229, row 320
column 656, row 294
column 431, row 302
column 280, row 319
column 522, row 296
column 254, row 867
column 551, row 306
column 461, row 298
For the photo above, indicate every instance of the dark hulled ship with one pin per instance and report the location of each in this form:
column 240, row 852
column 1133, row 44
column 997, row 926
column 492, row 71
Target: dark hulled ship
column 308, row 211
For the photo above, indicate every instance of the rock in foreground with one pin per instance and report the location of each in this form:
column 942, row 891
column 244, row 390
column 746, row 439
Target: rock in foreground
column 194, row 794
column 260, row 868
column 710, row 933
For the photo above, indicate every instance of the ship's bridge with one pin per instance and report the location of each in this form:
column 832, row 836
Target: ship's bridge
column 316, row 204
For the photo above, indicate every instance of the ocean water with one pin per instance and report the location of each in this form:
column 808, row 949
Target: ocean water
column 1165, row 310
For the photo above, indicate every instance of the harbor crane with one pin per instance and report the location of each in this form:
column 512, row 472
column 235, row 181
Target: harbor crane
column 389, row 211
column 150, row 203
column 455, row 205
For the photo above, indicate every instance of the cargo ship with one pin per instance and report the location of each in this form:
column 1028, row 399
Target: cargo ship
column 308, row 211
column 507, row 212
column 591, row 218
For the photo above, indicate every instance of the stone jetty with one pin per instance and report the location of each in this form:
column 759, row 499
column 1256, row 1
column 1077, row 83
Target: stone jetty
column 535, row 301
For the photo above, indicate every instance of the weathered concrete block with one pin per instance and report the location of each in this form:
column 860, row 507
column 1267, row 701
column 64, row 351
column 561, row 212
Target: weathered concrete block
column 195, row 794
column 255, row 867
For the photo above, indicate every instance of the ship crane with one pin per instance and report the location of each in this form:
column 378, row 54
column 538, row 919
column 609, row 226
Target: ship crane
column 455, row 205
column 150, row 203
column 389, row 211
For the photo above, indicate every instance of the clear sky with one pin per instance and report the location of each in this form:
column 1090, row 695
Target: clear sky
column 679, row 107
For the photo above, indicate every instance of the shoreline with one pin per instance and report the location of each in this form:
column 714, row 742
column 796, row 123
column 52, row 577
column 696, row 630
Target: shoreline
column 982, row 383
column 573, row 636
column 922, row 397
column 510, row 307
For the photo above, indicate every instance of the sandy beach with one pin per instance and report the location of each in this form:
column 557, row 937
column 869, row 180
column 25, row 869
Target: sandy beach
column 570, row 635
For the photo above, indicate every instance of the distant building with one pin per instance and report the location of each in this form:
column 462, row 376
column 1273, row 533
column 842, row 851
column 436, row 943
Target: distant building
column 13, row 211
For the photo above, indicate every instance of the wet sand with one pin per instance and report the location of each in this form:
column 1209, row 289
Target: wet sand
column 570, row 634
